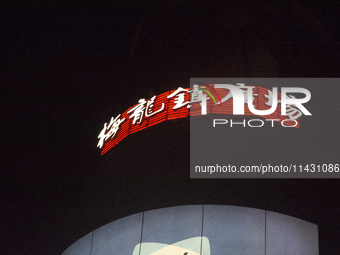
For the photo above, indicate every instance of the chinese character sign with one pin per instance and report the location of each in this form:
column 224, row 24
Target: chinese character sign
column 200, row 100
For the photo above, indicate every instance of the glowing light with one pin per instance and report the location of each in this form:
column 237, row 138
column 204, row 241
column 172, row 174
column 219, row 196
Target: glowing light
column 236, row 99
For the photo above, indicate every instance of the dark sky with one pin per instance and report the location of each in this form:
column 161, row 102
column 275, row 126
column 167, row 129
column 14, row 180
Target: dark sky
column 69, row 67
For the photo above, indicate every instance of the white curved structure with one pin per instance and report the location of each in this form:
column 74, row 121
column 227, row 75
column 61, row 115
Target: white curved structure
column 203, row 230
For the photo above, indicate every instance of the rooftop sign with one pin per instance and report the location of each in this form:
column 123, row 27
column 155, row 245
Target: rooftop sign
column 205, row 99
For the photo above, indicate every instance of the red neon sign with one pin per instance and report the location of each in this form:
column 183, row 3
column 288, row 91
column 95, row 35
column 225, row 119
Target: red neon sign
column 176, row 104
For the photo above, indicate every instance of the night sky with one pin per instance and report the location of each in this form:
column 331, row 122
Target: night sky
column 67, row 68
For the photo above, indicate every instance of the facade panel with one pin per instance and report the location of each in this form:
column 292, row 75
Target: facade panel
column 289, row 235
column 80, row 247
column 118, row 237
column 234, row 230
column 181, row 224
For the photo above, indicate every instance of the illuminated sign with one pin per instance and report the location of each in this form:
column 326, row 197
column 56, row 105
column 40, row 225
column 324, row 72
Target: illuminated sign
column 205, row 99
column 190, row 246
